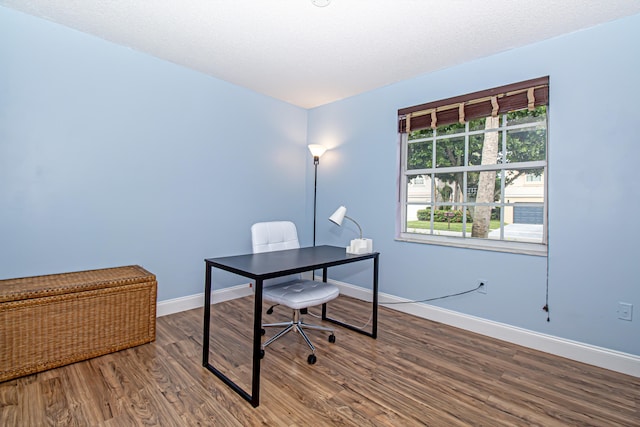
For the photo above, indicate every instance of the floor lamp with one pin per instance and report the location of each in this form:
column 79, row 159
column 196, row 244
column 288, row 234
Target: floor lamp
column 316, row 151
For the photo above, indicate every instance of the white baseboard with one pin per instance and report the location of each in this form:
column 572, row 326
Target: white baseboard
column 189, row 302
column 593, row 355
column 598, row 356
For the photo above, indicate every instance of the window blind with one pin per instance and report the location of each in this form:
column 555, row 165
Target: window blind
column 491, row 102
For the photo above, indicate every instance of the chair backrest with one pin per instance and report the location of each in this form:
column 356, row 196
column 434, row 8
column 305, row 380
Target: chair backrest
column 275, row 236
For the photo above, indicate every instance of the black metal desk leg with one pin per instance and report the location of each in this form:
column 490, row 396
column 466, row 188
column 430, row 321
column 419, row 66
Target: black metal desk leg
column 374, row 326
column 257, row 344
column 207, row 315
column 374, row 305
column 324, row 306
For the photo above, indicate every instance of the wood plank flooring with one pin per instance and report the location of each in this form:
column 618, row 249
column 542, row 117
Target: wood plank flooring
column 416, row 373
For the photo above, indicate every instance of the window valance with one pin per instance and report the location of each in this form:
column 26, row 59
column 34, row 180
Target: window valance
column 491, row 102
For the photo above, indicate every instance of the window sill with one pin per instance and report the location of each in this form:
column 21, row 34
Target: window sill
column 524, row 248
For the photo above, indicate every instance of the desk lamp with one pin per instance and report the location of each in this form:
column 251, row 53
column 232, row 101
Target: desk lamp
column 357, row 246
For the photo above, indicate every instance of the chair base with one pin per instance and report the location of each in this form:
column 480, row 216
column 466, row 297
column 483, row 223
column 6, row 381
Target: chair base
column 297, row 325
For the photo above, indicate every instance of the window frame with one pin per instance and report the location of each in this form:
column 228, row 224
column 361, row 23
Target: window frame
column 529, row 248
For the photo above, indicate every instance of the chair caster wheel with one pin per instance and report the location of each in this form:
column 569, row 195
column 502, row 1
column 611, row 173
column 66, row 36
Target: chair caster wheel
column 312, row 359
column 263, row 331
column 332, row 338
column 261, row 354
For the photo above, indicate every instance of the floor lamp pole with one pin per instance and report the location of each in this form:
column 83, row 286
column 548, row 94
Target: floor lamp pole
column 316, row 160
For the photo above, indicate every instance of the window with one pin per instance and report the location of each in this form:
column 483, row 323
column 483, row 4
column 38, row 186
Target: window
column 532, row 177
column 474, row 168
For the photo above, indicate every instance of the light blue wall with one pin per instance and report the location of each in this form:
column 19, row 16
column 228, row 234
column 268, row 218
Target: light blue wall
column 594, row 196
column 112, row 157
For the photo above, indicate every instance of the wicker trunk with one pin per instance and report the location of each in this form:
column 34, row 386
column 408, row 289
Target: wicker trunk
column 50, row 321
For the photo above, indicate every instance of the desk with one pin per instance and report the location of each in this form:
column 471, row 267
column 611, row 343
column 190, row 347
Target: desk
column 268, row 265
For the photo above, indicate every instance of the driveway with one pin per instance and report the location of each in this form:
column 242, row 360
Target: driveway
column 520, row 232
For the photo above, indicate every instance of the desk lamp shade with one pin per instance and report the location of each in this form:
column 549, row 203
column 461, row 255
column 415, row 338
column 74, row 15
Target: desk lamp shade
column 357, row 246
column 338, row 216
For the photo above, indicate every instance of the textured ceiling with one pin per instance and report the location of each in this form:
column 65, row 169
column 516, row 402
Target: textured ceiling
column 308, row 55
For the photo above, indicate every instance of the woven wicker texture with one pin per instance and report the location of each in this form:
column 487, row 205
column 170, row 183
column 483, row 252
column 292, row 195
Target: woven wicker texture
column 58, row 284
column 54, row 320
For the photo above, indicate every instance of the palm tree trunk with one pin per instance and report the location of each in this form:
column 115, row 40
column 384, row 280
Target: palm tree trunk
column 486, row 181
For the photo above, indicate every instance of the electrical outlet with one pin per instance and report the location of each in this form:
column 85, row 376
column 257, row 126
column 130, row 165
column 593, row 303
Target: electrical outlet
column 625, row 311
column 482, row 286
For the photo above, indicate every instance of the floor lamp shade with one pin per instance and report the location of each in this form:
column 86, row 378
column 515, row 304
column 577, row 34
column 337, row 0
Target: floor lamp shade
column 317, row 150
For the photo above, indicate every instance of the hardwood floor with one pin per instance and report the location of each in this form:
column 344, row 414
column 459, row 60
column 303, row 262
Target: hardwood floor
column 416, row 373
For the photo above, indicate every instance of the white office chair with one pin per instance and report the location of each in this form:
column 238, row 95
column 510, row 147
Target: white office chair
column 291, row 291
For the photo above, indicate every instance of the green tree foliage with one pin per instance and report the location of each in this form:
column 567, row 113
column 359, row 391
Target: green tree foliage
column 522, row 146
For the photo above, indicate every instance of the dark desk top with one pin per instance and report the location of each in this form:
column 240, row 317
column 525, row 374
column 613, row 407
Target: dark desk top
column 267, row 265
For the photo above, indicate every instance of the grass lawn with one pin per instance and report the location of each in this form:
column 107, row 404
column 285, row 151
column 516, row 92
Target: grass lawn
column 454, row 226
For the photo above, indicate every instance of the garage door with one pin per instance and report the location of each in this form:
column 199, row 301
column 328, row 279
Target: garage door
column 524, row 213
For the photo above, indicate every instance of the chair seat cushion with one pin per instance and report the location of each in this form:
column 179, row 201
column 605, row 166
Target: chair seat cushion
column 300, row 293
